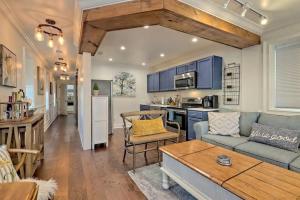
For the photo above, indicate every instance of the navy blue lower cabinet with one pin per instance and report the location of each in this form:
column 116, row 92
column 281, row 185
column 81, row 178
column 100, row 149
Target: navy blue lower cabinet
column 144, row 107
column 191, row 135
column 194, row 117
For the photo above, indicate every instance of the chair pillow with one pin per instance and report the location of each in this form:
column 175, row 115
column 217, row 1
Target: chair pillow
column 148, row 127
column 277, row 137
column 226, row 123
column 8, row 173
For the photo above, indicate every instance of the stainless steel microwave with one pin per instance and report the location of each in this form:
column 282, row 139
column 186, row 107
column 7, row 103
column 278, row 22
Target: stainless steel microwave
column 185, row 81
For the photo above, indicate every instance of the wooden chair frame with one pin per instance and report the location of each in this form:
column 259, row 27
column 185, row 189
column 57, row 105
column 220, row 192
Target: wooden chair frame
column 127, row 122
column 22, row 154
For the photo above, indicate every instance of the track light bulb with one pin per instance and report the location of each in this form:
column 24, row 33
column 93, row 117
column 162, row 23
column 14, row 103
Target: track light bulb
column 245, row 9
column 61, row 40
column 263, row 20
column 50, row 42
column 39, row 35
column 226, row 4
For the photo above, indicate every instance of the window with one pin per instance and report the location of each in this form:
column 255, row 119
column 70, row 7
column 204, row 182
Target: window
column 287, row 76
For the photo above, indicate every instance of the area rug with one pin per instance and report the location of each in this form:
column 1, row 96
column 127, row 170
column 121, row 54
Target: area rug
column 149, row 179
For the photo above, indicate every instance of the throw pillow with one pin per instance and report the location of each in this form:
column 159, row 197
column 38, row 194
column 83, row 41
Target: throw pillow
column 148, row 127
column 224, row 123
column 277, row 137
column 7, row 171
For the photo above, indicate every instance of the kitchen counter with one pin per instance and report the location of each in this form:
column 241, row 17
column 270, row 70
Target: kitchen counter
column 203, row 109
column 191, row 109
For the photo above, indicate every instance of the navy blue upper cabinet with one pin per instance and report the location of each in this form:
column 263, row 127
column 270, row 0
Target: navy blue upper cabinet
column 166, row 79
column 209, row 73
column 153, row 82
column 181, row 69
column 189, row 67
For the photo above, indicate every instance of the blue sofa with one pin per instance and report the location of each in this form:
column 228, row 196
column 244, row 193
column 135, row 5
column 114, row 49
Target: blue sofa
column 284, row 158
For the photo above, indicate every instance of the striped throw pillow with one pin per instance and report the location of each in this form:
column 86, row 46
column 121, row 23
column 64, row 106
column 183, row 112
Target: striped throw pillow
column 7, row 171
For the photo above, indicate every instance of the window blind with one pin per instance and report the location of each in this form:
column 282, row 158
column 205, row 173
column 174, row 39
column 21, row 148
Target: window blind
column 288, row 76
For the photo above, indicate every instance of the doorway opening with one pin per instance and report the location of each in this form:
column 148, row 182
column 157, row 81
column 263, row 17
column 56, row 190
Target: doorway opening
column 70, row 101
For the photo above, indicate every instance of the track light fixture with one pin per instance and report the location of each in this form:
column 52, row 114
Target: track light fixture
column 245, row 8
column 226, row 4
column 263, row 20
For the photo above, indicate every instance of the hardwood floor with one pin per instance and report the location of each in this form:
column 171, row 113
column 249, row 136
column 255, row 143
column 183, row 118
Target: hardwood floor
column 82, row 175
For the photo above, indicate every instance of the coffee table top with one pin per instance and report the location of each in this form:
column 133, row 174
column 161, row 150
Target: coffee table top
column 265, row 181
column 205, row 163
column 18, row 191
column 181, row 149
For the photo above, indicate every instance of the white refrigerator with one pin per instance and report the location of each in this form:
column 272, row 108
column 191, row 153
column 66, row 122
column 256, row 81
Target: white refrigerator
column 100, row 118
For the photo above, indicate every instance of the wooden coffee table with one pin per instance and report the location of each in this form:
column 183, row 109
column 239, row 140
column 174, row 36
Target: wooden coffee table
column 18, row 191
column 193, row 166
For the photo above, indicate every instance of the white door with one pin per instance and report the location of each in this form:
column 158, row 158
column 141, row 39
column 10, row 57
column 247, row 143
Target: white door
column 99, row 120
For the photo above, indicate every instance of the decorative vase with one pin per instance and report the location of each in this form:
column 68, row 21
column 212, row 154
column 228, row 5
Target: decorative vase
column 96, row 92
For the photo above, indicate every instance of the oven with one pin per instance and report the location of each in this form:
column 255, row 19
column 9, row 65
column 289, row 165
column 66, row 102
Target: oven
column 177, row 115
column 185, row 81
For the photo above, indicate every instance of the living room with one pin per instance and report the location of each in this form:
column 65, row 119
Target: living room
column 217, row 78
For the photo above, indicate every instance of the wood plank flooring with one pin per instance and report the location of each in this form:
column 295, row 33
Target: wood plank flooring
column 88, row 175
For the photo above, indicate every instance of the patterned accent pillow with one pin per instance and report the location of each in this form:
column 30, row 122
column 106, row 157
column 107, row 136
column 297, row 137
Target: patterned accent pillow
column 7, row 171
column 277, row 137
column 226, row 123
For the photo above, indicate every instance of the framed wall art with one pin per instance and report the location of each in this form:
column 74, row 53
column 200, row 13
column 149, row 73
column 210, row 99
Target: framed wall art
column 40, row 80
column 8, row 67
column 124, row 84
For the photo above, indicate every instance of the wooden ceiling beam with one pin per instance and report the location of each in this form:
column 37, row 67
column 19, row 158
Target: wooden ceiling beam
column 168, row 13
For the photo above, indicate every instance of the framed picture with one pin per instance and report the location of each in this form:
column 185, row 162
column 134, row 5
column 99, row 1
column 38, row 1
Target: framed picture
column 40, row 80
column 124, row 84
column 8, row 67
column 51, row 88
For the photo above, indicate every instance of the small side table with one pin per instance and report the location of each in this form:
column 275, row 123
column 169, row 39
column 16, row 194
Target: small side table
column 18, row 191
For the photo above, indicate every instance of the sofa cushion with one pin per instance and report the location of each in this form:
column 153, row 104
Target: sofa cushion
column 278, row 137
column 224, row 141
column 8, row 173
column 279, row 121
column 224, row 123
column 246, row 121
column 295, row 165
column 267, row 153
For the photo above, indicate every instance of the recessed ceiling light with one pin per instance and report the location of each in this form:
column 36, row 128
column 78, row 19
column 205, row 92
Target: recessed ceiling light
column 195, row 39
column 110, row 59
column 162, row 55
column 144, row 64
column 122, row 48
column 146, row 26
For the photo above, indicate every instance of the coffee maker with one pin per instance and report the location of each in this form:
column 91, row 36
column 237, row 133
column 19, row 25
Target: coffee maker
column 211, row 101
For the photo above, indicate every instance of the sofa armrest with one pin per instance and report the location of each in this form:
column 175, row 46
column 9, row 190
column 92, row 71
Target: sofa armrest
column 201, row 128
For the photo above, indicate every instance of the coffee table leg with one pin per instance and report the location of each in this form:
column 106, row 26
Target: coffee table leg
column 165, row 181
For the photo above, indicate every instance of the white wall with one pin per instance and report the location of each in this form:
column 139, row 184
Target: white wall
column 12, row 37
column 251, row 74
column 84, row 102
column 123, row 104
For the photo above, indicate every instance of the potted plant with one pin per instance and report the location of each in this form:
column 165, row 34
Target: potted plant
column 96, row 90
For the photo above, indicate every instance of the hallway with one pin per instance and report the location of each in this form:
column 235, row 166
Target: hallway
column 87, row 174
